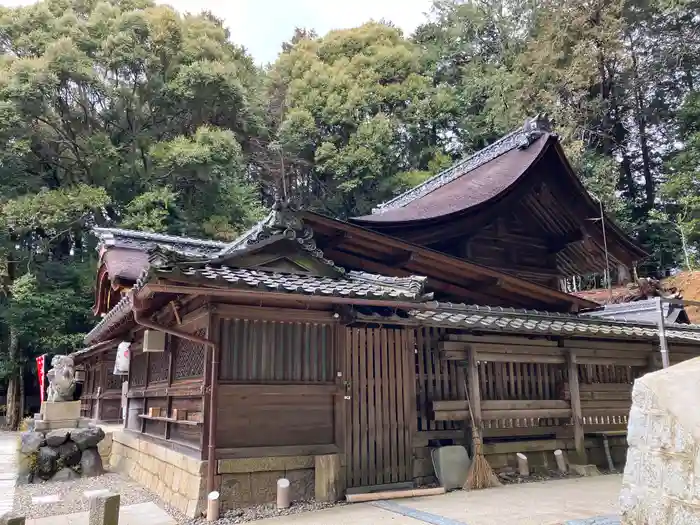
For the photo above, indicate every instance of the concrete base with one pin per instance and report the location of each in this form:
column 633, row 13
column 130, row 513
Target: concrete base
column 44, row 426
column 60, row 410
column 584, row 470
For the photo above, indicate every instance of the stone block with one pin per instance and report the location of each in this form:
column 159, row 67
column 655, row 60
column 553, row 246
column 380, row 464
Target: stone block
column 195, row 486
column 180, row 503
column 175, row 484
column 328, row 482
column 584, row 470
column 45, row 426
column 60, row 411
column 236, row 490
column 263, row 486
column 302, row 484
column 169, row 473
column 104, row 510
column 270, row 464
column 192, row 508
column 126, row 439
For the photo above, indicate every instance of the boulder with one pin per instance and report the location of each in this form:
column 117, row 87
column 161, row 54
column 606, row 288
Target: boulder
column 30, row 442
column 69, row 454
column 46, row 462
column 56, row 438
column 65, row 474
column 87, row 437
column 91, row 463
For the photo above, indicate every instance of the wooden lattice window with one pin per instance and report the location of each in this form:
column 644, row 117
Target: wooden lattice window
column 188, row 357
column 113, row 382
column 138, row 370
column 158, row 368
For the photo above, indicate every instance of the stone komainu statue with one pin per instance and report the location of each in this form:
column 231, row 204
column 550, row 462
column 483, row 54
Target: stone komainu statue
column 61, row 379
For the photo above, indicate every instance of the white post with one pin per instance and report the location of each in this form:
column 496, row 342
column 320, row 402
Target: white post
column 283, row 493
column 561, row 462
column 663, row 346
column 213, row 506
column 523, row 468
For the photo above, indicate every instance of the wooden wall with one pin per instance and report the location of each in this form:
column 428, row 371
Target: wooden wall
column 521, row 387
column 101, row 394
column 510, row 244
column 170, row 380
column 278, row 383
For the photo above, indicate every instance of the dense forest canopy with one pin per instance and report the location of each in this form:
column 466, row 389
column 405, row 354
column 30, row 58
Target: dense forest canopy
column 124, row 112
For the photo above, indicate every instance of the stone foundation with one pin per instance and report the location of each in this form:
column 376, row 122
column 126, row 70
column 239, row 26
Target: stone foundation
column 177, row 479
column 252, row 481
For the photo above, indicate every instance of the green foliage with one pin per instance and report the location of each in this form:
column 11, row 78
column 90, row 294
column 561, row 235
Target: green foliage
column 358, row 109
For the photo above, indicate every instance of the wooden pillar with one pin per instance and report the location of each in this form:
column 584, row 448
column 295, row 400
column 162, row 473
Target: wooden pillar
column 473, row 384
column 581, row 458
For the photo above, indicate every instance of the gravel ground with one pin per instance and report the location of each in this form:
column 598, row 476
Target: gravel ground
column 72, row 498
column 259, row 512
column 511, row 477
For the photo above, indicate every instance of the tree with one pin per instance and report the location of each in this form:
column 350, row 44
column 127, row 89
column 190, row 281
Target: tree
column 350, row 114
column 115, row 111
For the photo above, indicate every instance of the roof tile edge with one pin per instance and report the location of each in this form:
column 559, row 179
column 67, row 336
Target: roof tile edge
column 521, row 138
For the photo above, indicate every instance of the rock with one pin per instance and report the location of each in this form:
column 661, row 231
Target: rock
column 46, row 462
column 69, row 454
column 30, row 442
column 56, row 438
column 91, row 463
column 87, row 437
column 25, row 478
column 65, row 474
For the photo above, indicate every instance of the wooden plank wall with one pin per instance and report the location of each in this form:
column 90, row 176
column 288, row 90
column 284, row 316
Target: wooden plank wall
column 381, row 415
column 259, row 350
column 278, row 385
column 436, row 380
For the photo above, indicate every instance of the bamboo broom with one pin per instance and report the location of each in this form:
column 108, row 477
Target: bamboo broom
column 480, row 474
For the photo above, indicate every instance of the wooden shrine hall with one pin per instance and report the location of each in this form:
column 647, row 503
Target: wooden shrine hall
column 337, row 354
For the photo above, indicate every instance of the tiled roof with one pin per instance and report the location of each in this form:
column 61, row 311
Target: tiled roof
column 495, row 319
column 520, row 138
column 353, row 284
column 145, row 241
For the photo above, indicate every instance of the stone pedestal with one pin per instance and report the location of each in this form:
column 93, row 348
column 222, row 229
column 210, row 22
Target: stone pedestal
column 60, row 410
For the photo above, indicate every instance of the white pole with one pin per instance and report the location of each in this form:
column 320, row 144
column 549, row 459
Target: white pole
column 663, row 346
column 523, row 467
column 283, row 493
column 561, row 463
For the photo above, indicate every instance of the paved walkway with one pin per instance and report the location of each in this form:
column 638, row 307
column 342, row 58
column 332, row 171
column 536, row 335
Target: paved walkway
column 139, row 514
column 560, row 502
column 8, row 470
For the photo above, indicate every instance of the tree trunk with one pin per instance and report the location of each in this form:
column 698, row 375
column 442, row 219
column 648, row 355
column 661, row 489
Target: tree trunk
column 15, row 390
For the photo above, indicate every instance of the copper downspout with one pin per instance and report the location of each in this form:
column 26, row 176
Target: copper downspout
column 211, row 456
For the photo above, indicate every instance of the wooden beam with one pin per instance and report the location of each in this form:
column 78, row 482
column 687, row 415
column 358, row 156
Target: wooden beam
column 439, row 260
column 576, row 408
column 334, row 240
column 362, row 263
column 473, row 385
column 557, row 244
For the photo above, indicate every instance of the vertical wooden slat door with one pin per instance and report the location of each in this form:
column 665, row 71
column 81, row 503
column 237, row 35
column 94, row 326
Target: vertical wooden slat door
column 380, row 412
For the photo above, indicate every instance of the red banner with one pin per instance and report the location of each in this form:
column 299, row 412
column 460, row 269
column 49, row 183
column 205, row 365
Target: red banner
column 40, row 362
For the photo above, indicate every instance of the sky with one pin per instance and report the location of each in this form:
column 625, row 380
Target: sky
column 262, row 25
